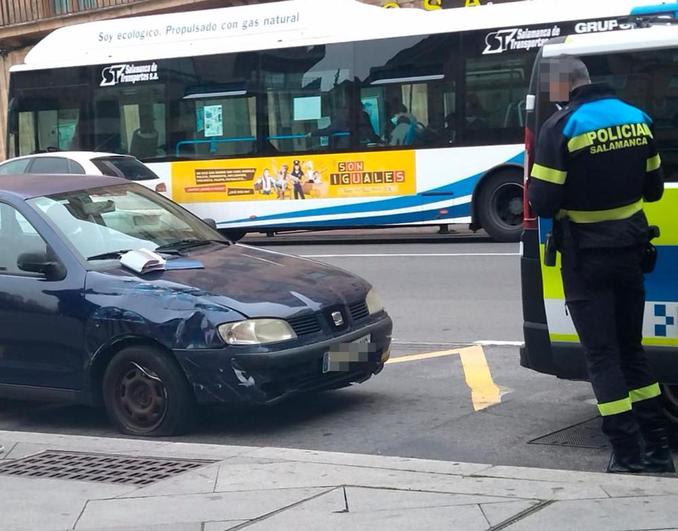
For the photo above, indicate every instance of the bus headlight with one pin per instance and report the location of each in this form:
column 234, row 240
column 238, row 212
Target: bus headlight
column 374, row 304
column 256, row 332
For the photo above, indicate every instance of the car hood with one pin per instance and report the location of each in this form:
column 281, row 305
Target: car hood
column 260, row 283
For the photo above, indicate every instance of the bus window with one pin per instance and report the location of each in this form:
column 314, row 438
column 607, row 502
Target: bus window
column 130, row 120
column 405, row 88
column 494, row 96
column 213, row 106
column 308, row 98
column 44, row 123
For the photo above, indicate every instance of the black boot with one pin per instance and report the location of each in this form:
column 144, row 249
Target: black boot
column 655, row 430
column 658, row 457
column 625, row 464
column 627, row 457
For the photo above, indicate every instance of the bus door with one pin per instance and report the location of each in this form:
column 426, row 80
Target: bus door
column 130, row 120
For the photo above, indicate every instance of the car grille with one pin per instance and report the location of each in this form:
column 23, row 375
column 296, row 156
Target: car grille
column 358, row 310
column 304, row 324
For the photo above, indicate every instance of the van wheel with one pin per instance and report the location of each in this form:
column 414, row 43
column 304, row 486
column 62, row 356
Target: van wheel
column 500, row 206
column 146, row 393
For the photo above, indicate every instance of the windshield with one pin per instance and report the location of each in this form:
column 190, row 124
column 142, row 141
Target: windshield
column 126, row 167
column 110, row 220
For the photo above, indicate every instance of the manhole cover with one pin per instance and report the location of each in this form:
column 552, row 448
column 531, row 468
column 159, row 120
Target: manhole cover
column 105, row 468
column 586, row 434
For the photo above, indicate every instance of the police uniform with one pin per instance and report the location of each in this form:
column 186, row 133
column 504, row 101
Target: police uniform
column 595, row 164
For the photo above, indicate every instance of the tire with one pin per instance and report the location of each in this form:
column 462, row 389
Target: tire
column 146, row 394
column 500, row 206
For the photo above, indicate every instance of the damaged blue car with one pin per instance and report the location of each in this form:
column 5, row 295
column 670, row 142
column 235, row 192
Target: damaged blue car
column 111, row 294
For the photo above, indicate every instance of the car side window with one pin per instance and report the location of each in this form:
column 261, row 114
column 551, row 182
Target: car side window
column 17, row 237
column 14, row 166
column 49, row 165
column 75, row 168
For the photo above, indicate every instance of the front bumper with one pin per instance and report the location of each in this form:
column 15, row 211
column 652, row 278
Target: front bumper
column 236, row 374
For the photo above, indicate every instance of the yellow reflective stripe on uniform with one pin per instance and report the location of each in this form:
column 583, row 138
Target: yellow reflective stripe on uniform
column 579, row 142
column 615, row 408
column 653, row 163
column 645, row 393
column 550, row 175
column 596, row 216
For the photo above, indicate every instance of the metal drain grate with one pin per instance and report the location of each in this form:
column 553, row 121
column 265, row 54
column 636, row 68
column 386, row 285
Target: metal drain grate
column 104, row 468
column 586, row 434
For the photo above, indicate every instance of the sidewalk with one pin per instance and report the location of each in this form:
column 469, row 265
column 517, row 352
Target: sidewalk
column 279, row 489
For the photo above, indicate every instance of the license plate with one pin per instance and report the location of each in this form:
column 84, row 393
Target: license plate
column 340, row 357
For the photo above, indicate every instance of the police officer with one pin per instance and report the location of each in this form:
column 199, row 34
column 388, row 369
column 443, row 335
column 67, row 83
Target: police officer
column 595, row 164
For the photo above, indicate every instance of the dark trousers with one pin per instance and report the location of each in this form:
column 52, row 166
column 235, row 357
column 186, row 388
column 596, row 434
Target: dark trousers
column 605, row 294
column 298, row 191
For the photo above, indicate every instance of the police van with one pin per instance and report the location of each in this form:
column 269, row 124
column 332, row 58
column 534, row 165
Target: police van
column 641, row 64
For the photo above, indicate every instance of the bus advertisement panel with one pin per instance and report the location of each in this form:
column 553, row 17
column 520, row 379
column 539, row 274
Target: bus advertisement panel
column 311, row 177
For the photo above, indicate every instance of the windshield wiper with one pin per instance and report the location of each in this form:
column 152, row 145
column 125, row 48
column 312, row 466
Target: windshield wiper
column 181, row 245
column 113, row 255
column 110, row 255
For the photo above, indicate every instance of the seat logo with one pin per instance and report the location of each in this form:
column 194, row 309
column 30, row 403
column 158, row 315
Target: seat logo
column 338, row 319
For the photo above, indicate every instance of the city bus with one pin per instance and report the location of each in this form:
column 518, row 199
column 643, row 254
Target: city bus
column 642, row 66
column 306, row 114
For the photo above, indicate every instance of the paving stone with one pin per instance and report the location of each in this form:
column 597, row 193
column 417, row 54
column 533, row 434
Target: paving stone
column 20, row 450
column 374, row 461
column 163, row 527
column 191, row 508
column 318, row 514
column 222, row 526
column 496, row 513
column 296, row 475
column 658, row 512
column 200, row 480
column 362, row 500
column 5, row 448
column 46, row 504
column 613, row 484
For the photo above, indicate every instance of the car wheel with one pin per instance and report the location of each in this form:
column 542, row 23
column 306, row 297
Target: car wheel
column 500, row 206
column 146, row 393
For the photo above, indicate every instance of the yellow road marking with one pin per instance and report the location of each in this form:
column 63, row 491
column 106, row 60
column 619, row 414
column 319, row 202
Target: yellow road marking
column 424, row 356
column 484, row 392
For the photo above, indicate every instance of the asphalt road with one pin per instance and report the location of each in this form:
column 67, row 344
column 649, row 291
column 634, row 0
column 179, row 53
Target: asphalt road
column 437, row 399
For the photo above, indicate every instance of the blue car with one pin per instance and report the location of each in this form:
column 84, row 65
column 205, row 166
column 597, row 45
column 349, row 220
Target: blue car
column 111, row 293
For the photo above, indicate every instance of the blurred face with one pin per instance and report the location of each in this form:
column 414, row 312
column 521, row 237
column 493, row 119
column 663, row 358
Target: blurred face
column 558, row 81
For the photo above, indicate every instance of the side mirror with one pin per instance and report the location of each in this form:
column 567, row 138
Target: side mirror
column 210, row 222
column 39, row 263
column 234, row 234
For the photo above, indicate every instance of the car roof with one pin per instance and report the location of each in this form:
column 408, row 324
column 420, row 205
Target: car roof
column 28, row 186
column 75, row 155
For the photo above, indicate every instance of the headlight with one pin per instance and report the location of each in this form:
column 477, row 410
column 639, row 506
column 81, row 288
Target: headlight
column 374, row 304
column 256, row 332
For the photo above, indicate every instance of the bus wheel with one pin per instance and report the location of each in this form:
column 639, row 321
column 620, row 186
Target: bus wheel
column 500, row 206
column 670, row 395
